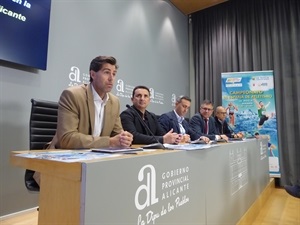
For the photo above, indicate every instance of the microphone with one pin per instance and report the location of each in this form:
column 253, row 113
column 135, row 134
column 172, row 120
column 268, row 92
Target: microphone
column 156, row 145
column 233, row 133
column 231, row 130
column 251, row 135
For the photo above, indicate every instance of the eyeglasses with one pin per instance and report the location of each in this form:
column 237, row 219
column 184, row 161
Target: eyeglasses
column 207, row 109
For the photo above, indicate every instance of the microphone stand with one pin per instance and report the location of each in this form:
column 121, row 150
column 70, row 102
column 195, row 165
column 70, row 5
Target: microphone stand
column 232, row 131
column 156, row 145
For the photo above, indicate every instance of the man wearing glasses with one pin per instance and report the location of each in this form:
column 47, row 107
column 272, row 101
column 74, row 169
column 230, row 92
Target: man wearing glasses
column 222, row 125
column 203, row 123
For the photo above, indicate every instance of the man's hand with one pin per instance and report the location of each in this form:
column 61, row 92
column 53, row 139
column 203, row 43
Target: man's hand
column 185, row 138
column 206, row 139
column 223, row 136
column 172, row 138
column 239, row 135
column 124, row 139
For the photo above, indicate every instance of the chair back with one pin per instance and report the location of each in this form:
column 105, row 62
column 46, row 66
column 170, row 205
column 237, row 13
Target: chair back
column 42, row 128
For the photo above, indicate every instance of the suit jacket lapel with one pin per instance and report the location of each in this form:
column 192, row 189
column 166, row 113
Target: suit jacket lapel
column 91, row 107
column 201, row 123
column 175, row 122
column 107, row 112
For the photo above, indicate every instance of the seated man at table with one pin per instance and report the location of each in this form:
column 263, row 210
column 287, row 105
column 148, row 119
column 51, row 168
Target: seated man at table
column 222, row 125
column 203, row 123
column 143, row 124
column 175, row 120
column 88, row 114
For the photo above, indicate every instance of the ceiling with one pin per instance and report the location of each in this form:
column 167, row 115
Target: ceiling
column 190, row 6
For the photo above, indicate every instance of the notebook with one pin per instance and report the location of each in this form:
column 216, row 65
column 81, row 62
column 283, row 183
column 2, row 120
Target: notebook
column 115, row 150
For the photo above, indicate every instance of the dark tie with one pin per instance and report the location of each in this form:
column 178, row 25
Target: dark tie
column 205, row 126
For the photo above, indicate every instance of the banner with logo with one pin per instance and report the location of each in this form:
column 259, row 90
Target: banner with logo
column 249, row 100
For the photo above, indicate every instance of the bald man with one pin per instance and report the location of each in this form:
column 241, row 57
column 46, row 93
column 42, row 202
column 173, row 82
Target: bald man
column 222, row 125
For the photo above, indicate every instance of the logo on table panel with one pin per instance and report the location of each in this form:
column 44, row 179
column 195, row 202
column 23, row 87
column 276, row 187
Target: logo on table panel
column 146, row 193
column 166, row 192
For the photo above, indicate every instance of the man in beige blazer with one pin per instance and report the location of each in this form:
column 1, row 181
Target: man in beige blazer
column 88, row 115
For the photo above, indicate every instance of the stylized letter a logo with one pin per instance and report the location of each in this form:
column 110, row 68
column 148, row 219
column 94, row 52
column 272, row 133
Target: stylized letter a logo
column 149, row 187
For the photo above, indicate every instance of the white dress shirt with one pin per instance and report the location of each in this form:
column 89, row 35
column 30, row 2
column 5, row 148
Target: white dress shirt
column 180, row 120
column 99, row 112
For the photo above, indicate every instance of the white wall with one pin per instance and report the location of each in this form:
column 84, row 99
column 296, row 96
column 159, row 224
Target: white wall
column 149, row 38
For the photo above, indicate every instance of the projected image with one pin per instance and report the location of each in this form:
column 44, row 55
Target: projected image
column 24, row 32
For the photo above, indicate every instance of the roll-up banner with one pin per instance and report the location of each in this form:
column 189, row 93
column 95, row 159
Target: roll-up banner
column 249, row 100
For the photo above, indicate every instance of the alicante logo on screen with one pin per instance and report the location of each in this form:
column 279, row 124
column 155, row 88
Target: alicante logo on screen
column 161, row 194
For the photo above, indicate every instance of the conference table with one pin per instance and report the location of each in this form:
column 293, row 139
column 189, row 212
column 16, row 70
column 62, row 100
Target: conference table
column 214, row 185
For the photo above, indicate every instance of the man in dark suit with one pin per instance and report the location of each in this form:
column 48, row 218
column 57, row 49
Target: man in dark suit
column 131, row 119
column 203, row 123
column 175, row 120
column 222, row 125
